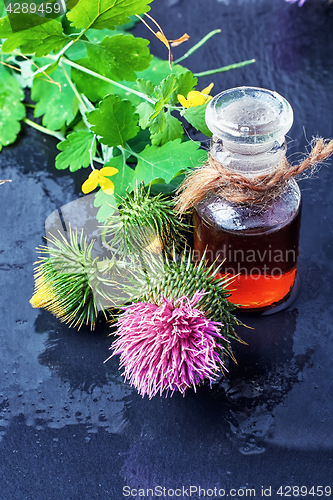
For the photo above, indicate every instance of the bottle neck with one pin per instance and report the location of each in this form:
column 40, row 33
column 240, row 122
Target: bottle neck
column 249, row 160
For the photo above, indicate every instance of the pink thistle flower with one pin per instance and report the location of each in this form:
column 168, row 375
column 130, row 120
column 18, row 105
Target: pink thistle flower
column 169, row 347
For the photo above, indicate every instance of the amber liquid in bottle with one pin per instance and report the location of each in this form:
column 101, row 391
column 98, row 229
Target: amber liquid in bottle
column 263, row 263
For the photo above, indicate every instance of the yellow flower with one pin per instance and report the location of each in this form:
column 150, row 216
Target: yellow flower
column 99, row 178
column 196, row 98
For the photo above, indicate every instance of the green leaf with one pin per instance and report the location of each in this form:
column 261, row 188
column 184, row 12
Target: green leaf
column 105, row 13
column 152, row 76
column 166, row 87
column 163, row 92
column 119, row 57
column 97, row 36
column 167, row 189
column 19, row 21
column 125, row 178
column 76, row 151
column 140, row 141
column 41, row 39
column 107, row 204
column 57, row 107
column 164, row 164
column 51, row 67
column 157, row 120
column 145, row 87
column 11, row 108
column 172, row 130
column 93, row 88
column 165, row 161
column 196, row 117
column 160, row 69
column 115, row 122
column 77, row 51
column 157, row 181
column 158, row 107
column 186, row 83
column 158, row 124
column 145, row 111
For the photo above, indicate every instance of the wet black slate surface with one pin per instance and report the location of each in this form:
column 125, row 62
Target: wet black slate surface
column 69, row 427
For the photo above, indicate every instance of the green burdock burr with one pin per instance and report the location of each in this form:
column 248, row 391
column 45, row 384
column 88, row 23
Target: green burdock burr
column 72, row 284
column 143, row 221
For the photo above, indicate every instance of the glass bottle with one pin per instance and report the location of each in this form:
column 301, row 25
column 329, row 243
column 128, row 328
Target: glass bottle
column 258, row 242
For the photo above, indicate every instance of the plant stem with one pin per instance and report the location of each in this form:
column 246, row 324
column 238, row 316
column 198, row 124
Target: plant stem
column 197, row 45
column 93, row 142
column 58, row 135
column 98, row 160
column 224, row 68
column 45, row 130
column 105, row 79
column 173, row 108
column 130, row 151
column 73, row 86
column 63, row 50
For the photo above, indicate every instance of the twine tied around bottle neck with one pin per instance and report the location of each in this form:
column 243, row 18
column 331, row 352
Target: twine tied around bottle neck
column 238, row 188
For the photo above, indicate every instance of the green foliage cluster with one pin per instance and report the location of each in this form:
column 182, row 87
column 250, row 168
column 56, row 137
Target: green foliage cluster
column 98, row 89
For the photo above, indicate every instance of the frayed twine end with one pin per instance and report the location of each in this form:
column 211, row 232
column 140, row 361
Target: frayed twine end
column 248, row 190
